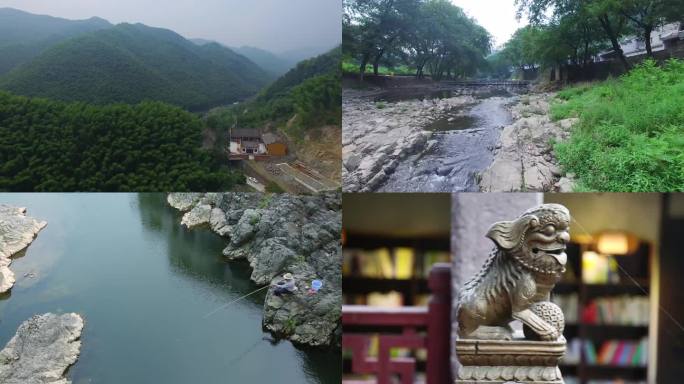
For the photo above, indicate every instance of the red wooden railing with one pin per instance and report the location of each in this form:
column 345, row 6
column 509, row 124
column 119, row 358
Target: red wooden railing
column 414, row 328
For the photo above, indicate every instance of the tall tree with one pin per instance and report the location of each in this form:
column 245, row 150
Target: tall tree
column 647, row 15
column 606, row 12
column 377, row 26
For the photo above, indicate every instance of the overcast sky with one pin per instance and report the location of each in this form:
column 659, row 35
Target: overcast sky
column 497, row 16
column 276, row 25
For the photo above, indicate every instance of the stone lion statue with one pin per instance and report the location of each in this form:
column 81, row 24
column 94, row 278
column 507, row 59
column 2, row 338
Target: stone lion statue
column 528, row 260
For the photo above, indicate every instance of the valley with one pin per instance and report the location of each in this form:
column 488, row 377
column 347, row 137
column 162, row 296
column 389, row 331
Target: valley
column 129, row 107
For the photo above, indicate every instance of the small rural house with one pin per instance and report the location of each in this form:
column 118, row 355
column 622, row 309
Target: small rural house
column 253, row 144
column 274, row 145
column 246, row 141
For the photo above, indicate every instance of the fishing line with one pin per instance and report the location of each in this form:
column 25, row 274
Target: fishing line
column 635, row 282
column 234, row 301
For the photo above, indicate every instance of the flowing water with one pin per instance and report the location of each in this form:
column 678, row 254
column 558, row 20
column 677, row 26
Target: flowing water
column 464, row 138
column 144, row 285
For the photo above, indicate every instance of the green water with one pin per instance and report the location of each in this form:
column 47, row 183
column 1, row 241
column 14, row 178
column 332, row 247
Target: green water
column 144, row 285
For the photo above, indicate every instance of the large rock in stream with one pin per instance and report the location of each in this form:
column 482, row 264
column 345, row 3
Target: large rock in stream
column 524, row 158
column 42, row 350
column 278, row 234
column 17, row 231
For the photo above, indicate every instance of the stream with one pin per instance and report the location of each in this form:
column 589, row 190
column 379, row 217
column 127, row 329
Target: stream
column 144, row 286
column 463, row 141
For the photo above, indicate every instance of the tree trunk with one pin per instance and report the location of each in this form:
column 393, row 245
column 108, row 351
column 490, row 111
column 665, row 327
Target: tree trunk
column 647, row 39
column 362, row 67
column 376, row 61
column 608, row 29
column 585, row 59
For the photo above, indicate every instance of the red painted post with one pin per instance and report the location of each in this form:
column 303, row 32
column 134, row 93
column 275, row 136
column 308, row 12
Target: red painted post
column 439, row 326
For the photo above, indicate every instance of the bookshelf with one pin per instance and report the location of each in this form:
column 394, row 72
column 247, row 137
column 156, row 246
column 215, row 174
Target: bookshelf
column 389, row 253
column 606, row 326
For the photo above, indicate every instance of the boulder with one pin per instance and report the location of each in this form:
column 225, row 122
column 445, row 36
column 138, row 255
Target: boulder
column 183, row 201
column 524, row 160
column 42, row 350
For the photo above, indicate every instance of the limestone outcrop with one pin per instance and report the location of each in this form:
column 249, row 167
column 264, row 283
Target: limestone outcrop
column 277, row 234
column 42, row 350
column 524, row 158
column 375, row 136
column 17, row 231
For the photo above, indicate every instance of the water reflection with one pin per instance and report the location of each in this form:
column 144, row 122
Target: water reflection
column 320, row 364
column 144, row 284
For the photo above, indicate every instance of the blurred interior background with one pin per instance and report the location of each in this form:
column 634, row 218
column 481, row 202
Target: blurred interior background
column 621, row 295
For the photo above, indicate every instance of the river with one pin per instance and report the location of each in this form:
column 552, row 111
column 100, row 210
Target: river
column 144, row 286
column 463, row 138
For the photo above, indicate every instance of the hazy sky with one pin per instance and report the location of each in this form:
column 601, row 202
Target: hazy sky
column 276, row 25
column 497, row 16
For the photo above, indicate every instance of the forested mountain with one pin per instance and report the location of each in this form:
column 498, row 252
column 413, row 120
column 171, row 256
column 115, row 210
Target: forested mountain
column 311, row 92
column 266, row 60
column 133, row 62
column 24, row 36
column 55, row 146
column 326, row 64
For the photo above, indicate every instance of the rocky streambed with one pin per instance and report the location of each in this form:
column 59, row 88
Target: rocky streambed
column 277, row 234
column 524, row 158
column 451, row 140
column 378, row 135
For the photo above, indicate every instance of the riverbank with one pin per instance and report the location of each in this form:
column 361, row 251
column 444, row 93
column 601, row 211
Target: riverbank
column 17, row 231
column 524, row 159
column 629, row 136
column 278, row 234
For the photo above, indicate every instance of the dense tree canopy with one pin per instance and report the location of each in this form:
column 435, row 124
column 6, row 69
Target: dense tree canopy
column 55, row 146
column 573, row 30
column 431, row 36
column 570, row 40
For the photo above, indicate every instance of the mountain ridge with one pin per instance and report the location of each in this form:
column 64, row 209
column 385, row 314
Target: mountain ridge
column 134, row 62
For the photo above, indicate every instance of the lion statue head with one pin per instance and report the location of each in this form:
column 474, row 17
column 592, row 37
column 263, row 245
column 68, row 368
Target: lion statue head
column 537, row 239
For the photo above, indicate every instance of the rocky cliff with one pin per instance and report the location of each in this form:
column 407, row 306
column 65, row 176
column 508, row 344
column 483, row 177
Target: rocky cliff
column 17, row 231
column 277, row 234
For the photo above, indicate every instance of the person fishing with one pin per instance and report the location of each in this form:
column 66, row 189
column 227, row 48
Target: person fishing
column 285, row 286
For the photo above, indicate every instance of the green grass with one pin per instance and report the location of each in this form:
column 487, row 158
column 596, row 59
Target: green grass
column 630, row 137
column 353, row 67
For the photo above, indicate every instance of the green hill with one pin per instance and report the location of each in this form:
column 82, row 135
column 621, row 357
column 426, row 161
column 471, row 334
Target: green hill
column 323, row 65
column 133, row 62
column 23, row 36
column 311, row 92
column 55, row 146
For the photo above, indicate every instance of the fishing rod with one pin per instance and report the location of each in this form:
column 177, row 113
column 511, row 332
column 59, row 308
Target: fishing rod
column 234, row 301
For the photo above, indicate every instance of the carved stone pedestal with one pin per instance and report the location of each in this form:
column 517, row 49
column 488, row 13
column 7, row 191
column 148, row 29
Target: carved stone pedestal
column 502, row 361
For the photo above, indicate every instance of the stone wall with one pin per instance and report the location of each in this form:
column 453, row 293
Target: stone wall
column 471, row 216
